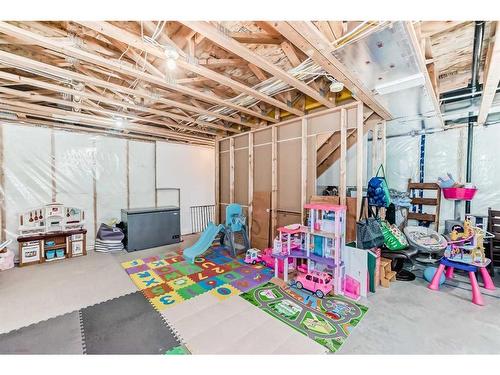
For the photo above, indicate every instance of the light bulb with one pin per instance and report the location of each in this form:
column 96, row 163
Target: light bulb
column 171, row 64
column 171, row 53
column 119, row 122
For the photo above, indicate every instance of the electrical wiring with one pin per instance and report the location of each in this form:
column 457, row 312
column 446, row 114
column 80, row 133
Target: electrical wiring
column 307, row 71
column 274, row 86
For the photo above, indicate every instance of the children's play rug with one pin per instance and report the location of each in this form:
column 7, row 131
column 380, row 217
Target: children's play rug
column 327, row 321
column 167, row 281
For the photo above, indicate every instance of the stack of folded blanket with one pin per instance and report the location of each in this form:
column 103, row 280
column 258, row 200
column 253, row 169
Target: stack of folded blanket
column 109, row 239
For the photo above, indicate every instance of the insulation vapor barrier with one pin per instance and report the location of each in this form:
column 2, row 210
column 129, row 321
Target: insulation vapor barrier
column 99, row 174
column 445, row 152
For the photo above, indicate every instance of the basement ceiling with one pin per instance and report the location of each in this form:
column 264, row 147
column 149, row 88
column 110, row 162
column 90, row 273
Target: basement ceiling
column 230, row 77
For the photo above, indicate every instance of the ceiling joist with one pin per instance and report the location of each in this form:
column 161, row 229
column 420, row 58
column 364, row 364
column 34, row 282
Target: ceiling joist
column 124, row 36
column 306, row 37
column 214, row 34
column 492, row 78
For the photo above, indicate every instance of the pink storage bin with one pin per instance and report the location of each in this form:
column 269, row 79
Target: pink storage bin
column 465, row 194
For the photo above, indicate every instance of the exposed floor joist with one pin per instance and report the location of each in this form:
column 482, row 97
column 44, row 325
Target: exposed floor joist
column 492, row 78
column 119, row 67
column 306, row 37
column 231, row 45
column 123, row 36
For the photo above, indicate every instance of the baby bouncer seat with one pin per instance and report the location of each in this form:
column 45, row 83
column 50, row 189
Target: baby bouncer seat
column 427, row 241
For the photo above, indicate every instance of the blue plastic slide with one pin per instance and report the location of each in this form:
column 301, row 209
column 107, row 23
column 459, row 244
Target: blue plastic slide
column 204, row 242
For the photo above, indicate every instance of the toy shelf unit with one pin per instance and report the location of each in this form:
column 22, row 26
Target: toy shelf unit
column 315, row 247
column 50, row 233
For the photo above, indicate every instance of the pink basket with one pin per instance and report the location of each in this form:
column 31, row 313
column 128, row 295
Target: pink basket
column 464, row 194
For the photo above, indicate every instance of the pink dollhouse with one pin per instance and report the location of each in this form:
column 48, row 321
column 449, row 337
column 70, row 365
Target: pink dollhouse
column 316, row 247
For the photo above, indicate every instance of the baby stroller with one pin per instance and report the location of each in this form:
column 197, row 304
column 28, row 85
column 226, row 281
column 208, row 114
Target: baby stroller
column 426, row 241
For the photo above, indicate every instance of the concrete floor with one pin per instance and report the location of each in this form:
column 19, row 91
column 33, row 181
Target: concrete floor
column 406, row 318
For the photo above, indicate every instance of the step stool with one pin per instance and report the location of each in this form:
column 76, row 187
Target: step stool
column 386, row 273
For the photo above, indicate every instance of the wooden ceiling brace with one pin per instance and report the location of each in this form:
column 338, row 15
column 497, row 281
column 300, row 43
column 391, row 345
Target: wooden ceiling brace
column 121, row 105
column 135, row 41
column 98, row 119
column 491, row 78
column 33, row 64
column 306, row 37
column 119, row 67
column 68, row 117
column 231, row 45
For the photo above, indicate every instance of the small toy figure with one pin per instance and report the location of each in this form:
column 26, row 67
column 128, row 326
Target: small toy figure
column 455, row 235
column 477, row 253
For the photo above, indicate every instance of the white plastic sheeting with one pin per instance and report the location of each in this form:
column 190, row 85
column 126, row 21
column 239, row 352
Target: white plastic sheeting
column 74, row 166
column 446, row 152
column 486, row 169
column 401, row 161
column 111, row 178
column 141, row 174
column 27, row 171
column 41, row 165
column 190, row 169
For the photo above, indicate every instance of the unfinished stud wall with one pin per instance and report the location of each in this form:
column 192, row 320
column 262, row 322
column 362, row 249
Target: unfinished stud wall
column 283, row 157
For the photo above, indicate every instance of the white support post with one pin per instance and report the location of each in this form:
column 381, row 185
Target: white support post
column 359, row 158
column 383, row 143
column 343, row 153
column 231, row 170
column 303, row 170
column 274, row 180
column 217, row 181
column 250, row 185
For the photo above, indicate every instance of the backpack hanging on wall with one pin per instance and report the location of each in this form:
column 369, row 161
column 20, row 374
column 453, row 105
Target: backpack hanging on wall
column 378, row 191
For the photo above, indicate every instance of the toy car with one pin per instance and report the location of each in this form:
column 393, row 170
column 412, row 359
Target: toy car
column 254, row 256
column 320, row 283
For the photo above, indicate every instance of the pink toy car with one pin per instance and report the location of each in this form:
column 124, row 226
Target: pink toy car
column 320, row 283
column 254, row 256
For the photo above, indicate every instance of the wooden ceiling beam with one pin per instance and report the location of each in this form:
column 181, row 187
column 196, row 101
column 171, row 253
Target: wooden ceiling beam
column 82, row 127
column 420, row 59
column 290, row 53
column 103, row 122
column 103, row 99
column 120, row 67
column 28, row 64
column 492, row 78
column 123, row 36
column 306, row 37
column 257, row 72
column 220, row 63
column 256, row 38
column 430, row 28
column 114, row 114
column 231, row 45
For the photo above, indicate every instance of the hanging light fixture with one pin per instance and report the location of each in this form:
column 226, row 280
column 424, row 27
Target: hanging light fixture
column 336, row 86
column 172, row 55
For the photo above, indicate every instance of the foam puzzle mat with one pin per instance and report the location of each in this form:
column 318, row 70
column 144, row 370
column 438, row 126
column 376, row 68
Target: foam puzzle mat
column 126, row 325
column 122, row 325
column 170, row 280
column 328, row 321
